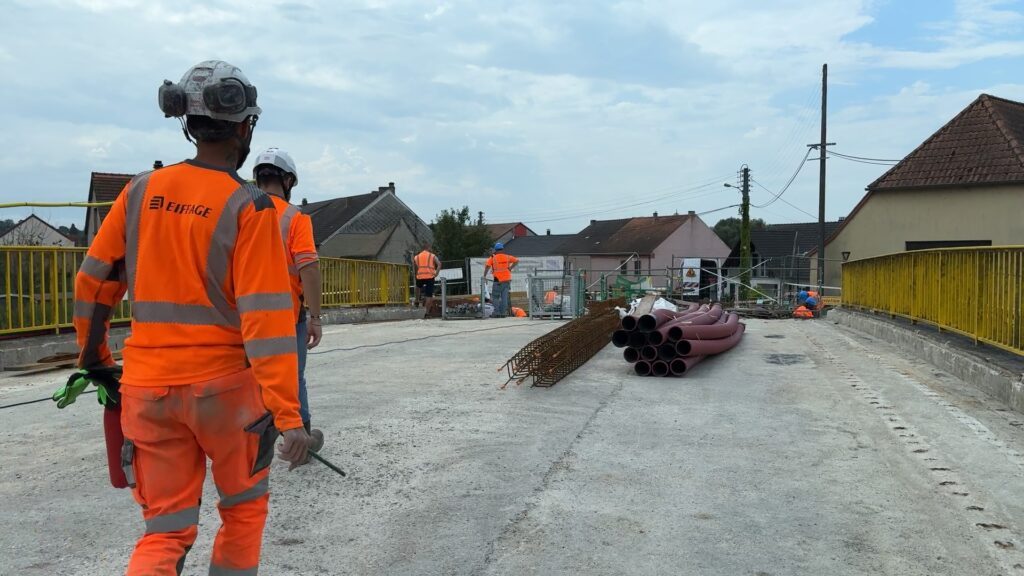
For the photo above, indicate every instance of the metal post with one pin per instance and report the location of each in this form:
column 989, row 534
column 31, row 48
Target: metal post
column 821, row 182
column 745, row 233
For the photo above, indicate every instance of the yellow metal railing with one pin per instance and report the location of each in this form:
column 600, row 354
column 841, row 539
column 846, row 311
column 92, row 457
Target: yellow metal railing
column 37, row 286
column 361, row 283
column 976, row 292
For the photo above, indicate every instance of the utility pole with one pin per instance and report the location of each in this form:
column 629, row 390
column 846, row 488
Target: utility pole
column 745, row 232
column 821, row 181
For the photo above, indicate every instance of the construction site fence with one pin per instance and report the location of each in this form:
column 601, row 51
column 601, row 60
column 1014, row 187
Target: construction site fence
column 38, row 285
column 975, row 292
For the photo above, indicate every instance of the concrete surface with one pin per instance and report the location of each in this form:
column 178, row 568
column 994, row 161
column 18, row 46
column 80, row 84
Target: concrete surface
column 991, row 369
column 27, row 350
column 810, row 449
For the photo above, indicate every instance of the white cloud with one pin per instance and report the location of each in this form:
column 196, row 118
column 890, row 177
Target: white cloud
column 437, row 12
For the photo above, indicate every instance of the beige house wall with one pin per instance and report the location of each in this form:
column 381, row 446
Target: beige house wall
column 888, row 220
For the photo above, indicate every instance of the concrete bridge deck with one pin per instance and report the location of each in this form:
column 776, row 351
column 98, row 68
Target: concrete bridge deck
column 810, row 449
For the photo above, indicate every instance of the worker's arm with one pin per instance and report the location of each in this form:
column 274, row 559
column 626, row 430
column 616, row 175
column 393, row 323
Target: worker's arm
column 311, row 284
column 308, row 263
column 264, row 298
column 99, row 287
column 487, row 267
column 437, row 266
column 512, row 263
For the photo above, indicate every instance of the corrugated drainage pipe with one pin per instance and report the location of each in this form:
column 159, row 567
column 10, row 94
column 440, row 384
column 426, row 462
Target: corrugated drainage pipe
column 659, row 368
column 642, row 368
column 707, row 347
column 631, row 355
column 680, row 366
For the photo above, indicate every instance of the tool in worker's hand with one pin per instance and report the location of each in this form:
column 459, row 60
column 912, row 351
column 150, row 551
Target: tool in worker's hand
column 323, row 461
column 107, row 381
column 108, row 392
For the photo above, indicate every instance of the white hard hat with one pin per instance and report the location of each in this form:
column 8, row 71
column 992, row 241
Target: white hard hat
column 212, row 88
column 277, row 158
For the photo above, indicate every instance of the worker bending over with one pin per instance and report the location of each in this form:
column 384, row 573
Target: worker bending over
column 275, row 173
column 210, row 369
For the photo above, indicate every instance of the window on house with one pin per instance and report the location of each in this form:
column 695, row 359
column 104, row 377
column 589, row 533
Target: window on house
column 622, row 267
column 636, row 266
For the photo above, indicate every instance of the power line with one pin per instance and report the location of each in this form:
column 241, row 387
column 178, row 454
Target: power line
column 778, row 195
column 859, row 161
column 783, row 200
column 852, row 157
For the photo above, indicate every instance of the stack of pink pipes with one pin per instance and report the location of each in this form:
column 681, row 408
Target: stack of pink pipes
column 666, row 343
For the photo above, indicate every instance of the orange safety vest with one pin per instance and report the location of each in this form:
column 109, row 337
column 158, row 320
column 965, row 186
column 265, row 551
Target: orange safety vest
column 200, row 252
column 426, row 265
column 501, row 264
column 803, row 312
column 518, row 312
column 550, row 297
column 299, row 247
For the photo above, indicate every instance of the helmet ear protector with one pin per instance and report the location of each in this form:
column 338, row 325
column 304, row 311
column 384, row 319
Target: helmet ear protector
column 229, row 96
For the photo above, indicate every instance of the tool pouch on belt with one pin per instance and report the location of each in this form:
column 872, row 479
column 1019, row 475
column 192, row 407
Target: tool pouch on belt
column 266, row 432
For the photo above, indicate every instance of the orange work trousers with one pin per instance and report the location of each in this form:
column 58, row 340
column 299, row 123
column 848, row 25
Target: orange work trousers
column 169, row 431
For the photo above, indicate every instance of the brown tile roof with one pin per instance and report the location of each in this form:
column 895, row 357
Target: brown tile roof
column 983, row 144
column 104, row 187
column 640, row 235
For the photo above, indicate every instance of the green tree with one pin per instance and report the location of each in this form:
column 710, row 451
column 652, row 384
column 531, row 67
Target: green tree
column 728, row 229
column 457, row 237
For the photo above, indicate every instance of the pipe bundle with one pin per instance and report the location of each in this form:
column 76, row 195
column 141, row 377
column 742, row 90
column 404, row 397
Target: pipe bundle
column 665, row 343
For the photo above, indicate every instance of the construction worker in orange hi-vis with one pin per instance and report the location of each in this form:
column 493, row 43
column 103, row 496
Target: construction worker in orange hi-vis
column 210, row 369
column 276, row 174
column 502, row 264
column 427, row 267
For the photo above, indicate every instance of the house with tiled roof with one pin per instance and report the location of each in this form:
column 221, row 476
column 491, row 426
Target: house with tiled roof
column 508, row 231
column 103, row 187
column 644, row 246
column 373, row 226
column 963, row 186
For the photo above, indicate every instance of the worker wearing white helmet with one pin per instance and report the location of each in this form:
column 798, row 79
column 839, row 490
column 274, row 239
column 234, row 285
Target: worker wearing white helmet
column 275, row 173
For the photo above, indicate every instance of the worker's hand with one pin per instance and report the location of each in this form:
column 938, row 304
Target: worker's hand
column 295, row 448
column 314, row 333
column 68, row 393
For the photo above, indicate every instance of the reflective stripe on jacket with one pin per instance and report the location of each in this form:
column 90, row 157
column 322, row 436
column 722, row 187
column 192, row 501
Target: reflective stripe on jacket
column 199, row 251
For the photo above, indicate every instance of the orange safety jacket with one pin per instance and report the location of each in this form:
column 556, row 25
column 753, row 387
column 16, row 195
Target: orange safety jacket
column 501, row 263
column 299, row 247
column 427, row 265
column 803, row 312
column 200, row 254
column 550, row 296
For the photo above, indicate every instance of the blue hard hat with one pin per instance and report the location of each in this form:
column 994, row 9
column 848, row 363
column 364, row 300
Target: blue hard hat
column 499, row 246
column 812, row 301
column 802, row 295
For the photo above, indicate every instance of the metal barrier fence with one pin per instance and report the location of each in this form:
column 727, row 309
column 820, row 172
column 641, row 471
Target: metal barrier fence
column 38, row 288
column 37, row 285
column 976, row 292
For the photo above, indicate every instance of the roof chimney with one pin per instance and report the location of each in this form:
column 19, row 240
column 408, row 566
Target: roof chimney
column 592, row 222
column 304, row 202
column 391, row 186
column 841, row 218
column 158, row 165
column 655, row 214
column 549, row 232
column 691, row 213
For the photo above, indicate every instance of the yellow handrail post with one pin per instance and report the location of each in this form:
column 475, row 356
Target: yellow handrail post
column 55, row 295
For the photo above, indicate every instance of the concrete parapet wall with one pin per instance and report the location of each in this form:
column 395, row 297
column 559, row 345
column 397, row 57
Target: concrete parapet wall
column 971, row 365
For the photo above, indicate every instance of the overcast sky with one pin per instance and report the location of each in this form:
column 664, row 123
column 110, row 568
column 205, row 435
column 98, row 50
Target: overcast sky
column 551, row 113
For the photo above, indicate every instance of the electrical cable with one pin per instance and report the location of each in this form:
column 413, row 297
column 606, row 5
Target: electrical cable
column 784, row 201
column 852, row 157
column 788, row 184
column 382, row 344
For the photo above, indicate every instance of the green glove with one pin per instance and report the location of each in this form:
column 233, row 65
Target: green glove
column 107, row 381
column 68, row 393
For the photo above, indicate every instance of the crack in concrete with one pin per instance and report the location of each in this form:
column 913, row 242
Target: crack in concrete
column 559, row 464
